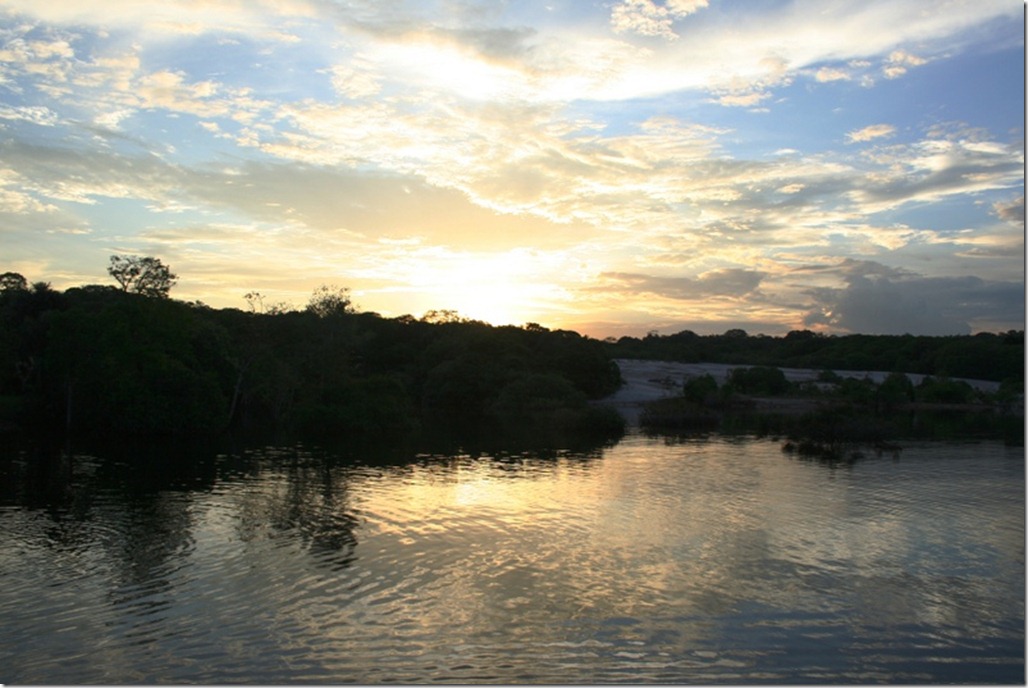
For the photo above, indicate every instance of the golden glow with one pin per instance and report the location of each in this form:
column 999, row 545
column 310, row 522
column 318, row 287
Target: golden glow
column 494, row 303
column 500, row 289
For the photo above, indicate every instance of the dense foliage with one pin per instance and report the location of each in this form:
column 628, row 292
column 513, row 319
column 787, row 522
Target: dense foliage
column 983, row 356
column 100, row 359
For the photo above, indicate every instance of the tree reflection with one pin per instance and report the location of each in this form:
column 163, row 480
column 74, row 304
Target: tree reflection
column 298, row 492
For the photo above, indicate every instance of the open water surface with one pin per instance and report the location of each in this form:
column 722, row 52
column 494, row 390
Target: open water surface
column 713, row 560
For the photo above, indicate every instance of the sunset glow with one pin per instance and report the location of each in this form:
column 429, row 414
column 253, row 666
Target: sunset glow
column 610, row 167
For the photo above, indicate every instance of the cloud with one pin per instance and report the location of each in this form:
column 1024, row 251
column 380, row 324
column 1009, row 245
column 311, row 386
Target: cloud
column 516, row 162
column 84, row 177
column 321, row 199
column 170, row 91
column 897, row 63
column 826, row 75
column 462, row 133
column 373, row 206
column 647, row 18
column 869, row 133
column 456, row 50
column 743, row 99
column 103, row 81
column 935, row 168
column 882, row 300
column 723, row 282
column 355, row 80
column 39, row 115
column 14, row 199
column 1012, row 211
column 752, row 57
column 172, row 18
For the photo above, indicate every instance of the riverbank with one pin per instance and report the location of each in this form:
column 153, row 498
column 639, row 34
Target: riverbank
column 647, row 380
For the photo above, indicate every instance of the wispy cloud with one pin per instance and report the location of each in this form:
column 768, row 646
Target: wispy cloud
column 871, row 132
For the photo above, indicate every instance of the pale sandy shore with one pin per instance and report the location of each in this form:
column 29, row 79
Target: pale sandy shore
column 649, row 380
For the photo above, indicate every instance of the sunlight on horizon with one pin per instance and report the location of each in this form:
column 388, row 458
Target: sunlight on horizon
column 509, row 288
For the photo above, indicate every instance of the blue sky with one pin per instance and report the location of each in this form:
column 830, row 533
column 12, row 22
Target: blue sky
column 612, row 167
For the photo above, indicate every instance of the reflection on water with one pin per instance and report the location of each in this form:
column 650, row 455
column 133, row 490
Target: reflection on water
column 719, row 560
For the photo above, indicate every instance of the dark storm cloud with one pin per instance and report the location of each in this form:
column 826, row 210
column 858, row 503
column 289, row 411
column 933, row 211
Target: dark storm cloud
column 880, row 303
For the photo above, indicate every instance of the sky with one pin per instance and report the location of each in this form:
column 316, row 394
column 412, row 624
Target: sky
column 616, row 168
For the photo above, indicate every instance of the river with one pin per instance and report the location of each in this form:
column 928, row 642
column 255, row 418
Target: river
column 708, row 560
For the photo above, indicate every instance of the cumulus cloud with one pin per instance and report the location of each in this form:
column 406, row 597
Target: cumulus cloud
column 898, row 62
column 649, row 18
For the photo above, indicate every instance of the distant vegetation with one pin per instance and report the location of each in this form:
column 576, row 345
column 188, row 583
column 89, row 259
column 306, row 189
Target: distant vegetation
column 840, row 414
column 836, row 415
column 128, row 359
column 984, row 356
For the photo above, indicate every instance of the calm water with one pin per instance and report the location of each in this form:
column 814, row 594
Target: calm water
column 704, row 561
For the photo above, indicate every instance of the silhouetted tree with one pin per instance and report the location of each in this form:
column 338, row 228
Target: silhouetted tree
column 442, row 316
column 12, row 281
column 142, row 275
column 326, row 301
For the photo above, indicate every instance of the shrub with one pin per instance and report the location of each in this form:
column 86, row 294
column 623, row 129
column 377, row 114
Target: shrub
column 759, row 380
column 701, row 389
column 944, row 391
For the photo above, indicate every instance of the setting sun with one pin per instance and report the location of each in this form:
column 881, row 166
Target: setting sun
column 508, row 288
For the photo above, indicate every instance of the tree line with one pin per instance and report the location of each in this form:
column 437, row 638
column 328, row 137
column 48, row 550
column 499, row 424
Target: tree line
column 984, row 356
column 130, row 359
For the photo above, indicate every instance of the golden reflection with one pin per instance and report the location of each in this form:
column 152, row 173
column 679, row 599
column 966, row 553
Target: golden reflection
column 648, row 546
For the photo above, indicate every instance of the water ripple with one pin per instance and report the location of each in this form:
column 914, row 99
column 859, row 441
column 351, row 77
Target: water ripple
column 710, row 562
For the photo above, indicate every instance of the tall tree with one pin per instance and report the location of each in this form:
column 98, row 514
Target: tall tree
column 13, row 281
column 327, row 301
column 142, row 275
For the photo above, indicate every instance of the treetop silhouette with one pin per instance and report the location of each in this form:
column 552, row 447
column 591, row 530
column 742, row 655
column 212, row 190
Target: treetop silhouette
column 142, row 275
